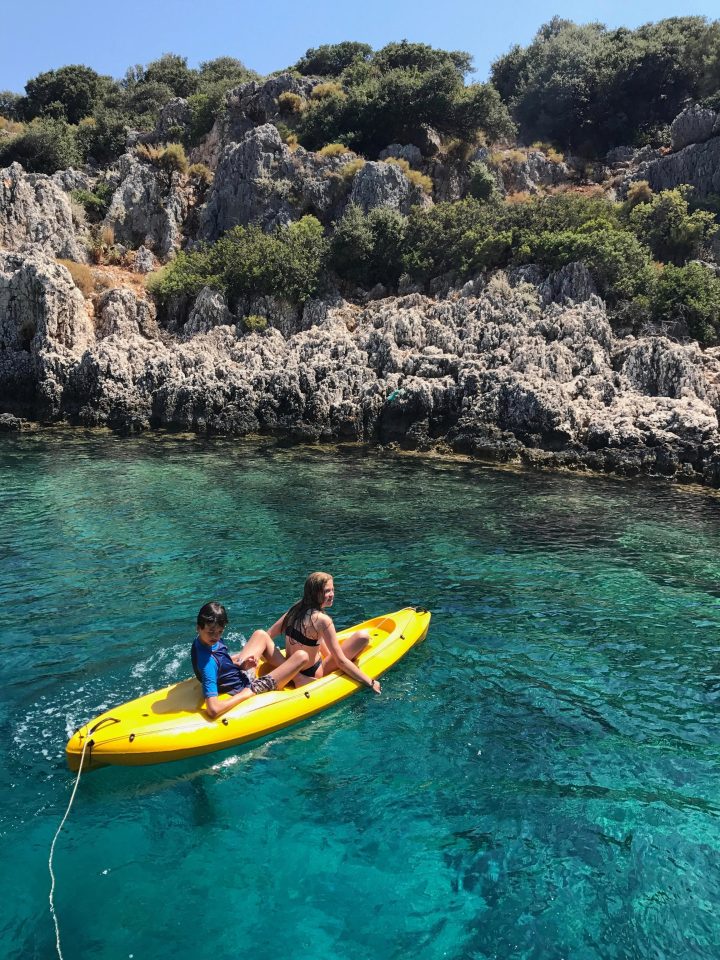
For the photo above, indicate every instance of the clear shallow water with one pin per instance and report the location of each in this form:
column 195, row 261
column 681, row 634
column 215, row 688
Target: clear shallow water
column 538, row 780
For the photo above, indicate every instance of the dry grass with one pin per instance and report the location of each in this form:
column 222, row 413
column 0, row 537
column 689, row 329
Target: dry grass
column 414, row 176
column 348, row 170
column 330, row 89
column 522, row 196
column 201, row 173
column 333, row 150
column 553, row 155
column 291, row 102
column 638, row 192
column 459, row 151
column 82, row 276
column 11, row 127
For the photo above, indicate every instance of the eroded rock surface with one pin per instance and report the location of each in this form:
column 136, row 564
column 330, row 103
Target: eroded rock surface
column 148, row 208
column 496, row 372
column 35, row 214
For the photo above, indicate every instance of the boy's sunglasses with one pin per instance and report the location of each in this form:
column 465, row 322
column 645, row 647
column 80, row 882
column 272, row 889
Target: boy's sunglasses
column 212, row 621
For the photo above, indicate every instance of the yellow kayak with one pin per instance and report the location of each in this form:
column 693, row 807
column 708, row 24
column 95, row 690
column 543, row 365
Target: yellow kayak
column 172, row 723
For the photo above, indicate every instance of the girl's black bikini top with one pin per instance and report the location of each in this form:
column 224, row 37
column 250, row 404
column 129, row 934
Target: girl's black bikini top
column 300, row 637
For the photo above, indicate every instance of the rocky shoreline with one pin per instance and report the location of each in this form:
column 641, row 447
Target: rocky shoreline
column 510, row 371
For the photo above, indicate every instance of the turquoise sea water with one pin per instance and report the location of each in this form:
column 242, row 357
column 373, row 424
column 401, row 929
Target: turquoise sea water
column 539, row 779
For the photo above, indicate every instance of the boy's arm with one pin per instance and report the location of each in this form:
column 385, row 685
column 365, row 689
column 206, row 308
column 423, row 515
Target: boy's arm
column 217, row 707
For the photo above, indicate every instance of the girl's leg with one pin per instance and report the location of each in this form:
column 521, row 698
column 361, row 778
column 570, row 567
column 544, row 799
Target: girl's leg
column 352, row 647
column 260, row 645
column 289, row 668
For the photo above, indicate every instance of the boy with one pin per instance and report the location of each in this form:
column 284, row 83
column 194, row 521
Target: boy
column 219, row 672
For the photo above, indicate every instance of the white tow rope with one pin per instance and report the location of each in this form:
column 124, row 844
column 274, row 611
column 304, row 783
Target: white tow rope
column 52, row 851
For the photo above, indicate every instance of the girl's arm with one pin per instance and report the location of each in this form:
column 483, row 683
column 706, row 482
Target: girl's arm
column 326, row 629
column 276, row 629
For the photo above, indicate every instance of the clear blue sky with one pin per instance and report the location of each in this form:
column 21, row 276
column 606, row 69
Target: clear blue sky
column 40, row 35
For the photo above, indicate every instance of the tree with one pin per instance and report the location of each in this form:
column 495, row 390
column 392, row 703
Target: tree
column 331, row 59
column 69, row 93
column 403, row 89
column 10, row 104
column 420, row 56
column 587, row 88
column 45, row 147
column 172, row 71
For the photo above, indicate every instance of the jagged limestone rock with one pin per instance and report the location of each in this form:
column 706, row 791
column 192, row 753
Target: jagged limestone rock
column 148, row 207
column 403, row 151
column 121, row 313
column 694, row 124
column 209, row 310
column 40, row 306
column 144, row 261
column 697, row 165
column 261, row 181
column 174, row 121
column 35, row 214
column 381, row 184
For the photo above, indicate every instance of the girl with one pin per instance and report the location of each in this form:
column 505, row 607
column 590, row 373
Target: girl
column 307, row 628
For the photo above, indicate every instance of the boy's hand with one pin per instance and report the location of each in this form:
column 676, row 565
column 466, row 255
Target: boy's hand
column 249, row 663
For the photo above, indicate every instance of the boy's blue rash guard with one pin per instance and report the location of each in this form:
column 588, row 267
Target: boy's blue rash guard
column 215, row 670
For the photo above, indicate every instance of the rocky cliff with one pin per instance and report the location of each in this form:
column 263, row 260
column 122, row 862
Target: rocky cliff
column 520, row 367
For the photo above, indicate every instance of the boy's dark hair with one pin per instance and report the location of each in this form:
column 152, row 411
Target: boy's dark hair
column 212, row 612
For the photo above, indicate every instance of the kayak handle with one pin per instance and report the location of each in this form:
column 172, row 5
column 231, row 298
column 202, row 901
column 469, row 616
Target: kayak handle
column 101, row 722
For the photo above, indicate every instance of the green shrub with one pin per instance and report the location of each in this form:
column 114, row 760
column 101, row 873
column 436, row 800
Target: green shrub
column 95, row 202
column 254, row 323
column 482, row 183
column 45, row 147
column 185, row 276
column 618, row 262
column 689, row 295
column 246, row 262
column 673, row 234
column 101, row 139
column 444, row 239
column 368, row 249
